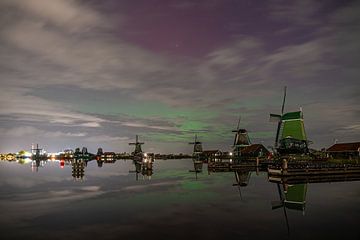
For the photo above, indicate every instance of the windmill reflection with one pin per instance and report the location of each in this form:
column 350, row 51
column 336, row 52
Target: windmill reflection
column 144, row 167
column 198, row 165
column 36, row 163
column 242, row 178
column 242, row 172
column 291, row 196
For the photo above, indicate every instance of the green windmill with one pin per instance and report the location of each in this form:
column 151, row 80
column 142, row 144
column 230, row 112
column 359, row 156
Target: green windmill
column 290, row 134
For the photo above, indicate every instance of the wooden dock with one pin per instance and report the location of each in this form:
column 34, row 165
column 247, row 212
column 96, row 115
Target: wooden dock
column 312, row 169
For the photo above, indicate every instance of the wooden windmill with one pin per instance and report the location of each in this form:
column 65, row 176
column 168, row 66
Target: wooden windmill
column 241, row 139
column 137, row 144
column 198, row 150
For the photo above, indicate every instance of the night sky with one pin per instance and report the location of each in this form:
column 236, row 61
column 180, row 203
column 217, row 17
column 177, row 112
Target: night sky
column 95, row 73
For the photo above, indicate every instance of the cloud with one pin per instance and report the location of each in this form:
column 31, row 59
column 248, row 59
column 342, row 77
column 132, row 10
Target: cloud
column 90, row 124
column 23, row 131
column 39, row 203
column 45, row 45
column 105, row 138
column 16, row 102
column 142, row 125
column 300, row 12
column 150, row 185
column 65, row 13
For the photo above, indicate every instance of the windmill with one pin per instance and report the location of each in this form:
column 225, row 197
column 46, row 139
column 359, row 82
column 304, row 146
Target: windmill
column 137, row 144
column 36, row 152
column 198, row 150
column 290, row 134
column 241, row 139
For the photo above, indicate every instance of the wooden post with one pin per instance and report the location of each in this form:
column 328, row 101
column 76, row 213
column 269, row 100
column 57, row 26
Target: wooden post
column 284, row 165
column 257, row 166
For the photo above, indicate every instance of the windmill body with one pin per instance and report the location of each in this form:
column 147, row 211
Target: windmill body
column 137, row 153
column 241, row 140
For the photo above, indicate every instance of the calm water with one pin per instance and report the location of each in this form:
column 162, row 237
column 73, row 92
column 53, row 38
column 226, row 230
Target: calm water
column 111, row 202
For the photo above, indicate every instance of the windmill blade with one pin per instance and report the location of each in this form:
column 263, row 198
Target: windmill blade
column 238, row 125
column 237, row 177
column 283, row 103
column 236, row 139
column 277, row 134
column 287, row 221
column 240, row 192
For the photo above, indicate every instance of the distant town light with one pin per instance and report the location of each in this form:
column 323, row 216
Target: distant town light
column 230, row 153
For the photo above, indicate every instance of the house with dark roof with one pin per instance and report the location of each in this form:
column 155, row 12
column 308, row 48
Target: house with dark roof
column 254, row 150
column 344, row 150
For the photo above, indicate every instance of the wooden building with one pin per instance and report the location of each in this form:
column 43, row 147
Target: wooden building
column 254, row 150
column 344, row 151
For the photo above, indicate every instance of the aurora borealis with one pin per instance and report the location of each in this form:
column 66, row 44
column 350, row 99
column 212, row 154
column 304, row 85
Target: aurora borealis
column 96, row 73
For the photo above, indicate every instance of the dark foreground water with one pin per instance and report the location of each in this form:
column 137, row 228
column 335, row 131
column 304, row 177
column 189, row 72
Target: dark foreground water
column 110, row 203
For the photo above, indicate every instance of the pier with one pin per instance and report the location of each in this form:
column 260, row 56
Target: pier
column 312, row 169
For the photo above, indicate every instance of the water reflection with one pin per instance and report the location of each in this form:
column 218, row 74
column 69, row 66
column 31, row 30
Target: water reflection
column 143, row 167
column 268, row 205
column 35, row 164
column 242, row 178
column 292, row 191
column 198, row 165
column 78, row 168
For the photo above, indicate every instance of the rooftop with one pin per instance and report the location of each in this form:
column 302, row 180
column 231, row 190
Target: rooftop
column 344, row 147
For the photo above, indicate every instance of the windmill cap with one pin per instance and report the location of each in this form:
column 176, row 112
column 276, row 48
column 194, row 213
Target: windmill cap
column 292, row 115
